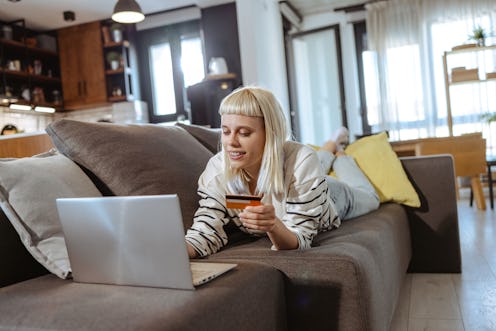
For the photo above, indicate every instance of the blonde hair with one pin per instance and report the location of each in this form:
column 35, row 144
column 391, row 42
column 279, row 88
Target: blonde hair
column 258, row 102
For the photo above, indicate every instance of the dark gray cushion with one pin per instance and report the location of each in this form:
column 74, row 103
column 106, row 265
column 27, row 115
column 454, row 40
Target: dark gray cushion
column 16, row 263
column 349, row 280
column 250, row 297
column 136, row 159
column 208, row 137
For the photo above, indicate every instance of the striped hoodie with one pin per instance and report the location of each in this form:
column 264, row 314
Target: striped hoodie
column 305, row 206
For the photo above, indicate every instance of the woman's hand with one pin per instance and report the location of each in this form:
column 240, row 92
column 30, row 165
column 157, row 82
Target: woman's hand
column 263, row 218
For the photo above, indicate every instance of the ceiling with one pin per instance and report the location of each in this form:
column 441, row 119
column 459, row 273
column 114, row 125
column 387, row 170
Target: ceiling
column 48, row 14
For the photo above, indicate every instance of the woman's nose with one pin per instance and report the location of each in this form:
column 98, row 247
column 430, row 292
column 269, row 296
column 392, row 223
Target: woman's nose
column 232, row 140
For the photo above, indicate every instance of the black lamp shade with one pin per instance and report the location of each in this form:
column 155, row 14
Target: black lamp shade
column 127, row 11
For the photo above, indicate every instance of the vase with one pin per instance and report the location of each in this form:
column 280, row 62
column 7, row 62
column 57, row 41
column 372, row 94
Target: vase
column 114, row 64
column 217, row 66
column 117, row 35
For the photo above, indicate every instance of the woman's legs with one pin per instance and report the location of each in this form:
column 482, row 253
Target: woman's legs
column 351, row 192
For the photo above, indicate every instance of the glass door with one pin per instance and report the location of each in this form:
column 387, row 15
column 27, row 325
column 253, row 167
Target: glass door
column 318, row 103
column 173, row 61
column 162, row 79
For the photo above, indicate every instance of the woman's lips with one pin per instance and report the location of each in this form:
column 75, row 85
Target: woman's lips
column 236, row 155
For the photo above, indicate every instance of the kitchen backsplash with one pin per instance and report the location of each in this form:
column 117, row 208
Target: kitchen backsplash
column 121, row 112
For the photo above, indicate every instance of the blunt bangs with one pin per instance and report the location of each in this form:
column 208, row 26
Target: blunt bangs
column 241, row 102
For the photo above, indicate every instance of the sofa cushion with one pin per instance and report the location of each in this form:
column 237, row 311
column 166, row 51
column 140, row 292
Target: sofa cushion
column 28, row 189
column 349, row 280
column 378, row 161
column 208, row 137
column 251, row 297
column 134, row 159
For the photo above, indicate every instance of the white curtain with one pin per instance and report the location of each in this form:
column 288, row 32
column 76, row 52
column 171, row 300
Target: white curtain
column 404, row 70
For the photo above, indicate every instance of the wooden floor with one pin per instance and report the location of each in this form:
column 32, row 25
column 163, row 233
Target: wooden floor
column 452, row 302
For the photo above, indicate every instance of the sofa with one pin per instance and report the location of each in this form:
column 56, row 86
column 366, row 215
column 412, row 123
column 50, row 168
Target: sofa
column 349, row 280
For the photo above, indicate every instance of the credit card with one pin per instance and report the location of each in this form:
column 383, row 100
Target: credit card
column 235, row 201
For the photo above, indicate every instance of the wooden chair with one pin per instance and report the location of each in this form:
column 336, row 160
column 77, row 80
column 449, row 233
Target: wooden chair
column 489, row 180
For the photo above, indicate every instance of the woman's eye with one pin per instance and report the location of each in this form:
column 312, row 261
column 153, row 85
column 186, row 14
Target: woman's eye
column 244, row 133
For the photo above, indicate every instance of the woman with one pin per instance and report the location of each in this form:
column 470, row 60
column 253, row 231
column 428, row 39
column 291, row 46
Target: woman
column 258, row 158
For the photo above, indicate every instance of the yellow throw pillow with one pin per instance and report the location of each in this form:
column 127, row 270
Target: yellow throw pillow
column 378, row 161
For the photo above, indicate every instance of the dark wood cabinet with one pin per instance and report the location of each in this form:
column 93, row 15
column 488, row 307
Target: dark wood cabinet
column 205, row 98
column 82, row 66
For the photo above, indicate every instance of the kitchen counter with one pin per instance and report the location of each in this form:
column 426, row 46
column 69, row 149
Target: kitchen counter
column 24, row 144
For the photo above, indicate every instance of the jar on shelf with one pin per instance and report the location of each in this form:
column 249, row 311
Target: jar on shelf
column 37, row 67
column 7, row 32
column 57, row 98
column 116, row 91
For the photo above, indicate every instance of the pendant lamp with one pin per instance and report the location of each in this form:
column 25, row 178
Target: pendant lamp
column 127, row 11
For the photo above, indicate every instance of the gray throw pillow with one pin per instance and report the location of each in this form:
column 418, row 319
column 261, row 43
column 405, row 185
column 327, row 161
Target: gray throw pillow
column 136, row 159
column 208, row 137
column 28, row 189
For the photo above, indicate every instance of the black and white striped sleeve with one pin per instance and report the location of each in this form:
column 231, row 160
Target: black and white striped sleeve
column 308, row 206
column 207, row 234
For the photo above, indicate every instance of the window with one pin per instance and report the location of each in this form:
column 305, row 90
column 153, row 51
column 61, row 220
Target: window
column 404, row 81
column 406, row 117
column 174, row 61
column 192, row 63
column 164, row 100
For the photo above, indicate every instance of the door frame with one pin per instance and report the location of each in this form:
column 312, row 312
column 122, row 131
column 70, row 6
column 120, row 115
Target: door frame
column 360, row 31
column 171, row 34
column 292, row 74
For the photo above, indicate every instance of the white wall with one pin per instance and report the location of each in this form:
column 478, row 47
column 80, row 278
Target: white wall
column 261, row 44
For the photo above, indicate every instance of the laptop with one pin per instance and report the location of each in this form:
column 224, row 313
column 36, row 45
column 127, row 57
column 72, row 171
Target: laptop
column 131, row 240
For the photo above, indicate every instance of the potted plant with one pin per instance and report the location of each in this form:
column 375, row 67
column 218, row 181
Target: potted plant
column 479, row 35
column 114, row 60
column 489, row 117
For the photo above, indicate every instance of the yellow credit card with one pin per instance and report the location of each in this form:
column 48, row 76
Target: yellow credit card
column 235, row 201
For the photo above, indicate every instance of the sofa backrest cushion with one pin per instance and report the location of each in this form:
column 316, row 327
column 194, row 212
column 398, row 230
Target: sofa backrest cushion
column 136, row 159
column 208, row 137
column 28, row 189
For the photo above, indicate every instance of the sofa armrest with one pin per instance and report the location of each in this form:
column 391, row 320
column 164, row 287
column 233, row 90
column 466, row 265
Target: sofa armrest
column 433, row 226
column 16, row 264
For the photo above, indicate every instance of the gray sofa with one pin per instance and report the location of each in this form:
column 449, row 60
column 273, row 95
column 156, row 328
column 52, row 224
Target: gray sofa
column 349, row 280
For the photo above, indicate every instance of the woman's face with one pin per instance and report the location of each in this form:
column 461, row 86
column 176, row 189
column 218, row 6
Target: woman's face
column 243, row 139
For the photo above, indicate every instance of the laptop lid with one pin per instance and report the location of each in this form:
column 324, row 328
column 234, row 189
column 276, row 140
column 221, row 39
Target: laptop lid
column 128, row 240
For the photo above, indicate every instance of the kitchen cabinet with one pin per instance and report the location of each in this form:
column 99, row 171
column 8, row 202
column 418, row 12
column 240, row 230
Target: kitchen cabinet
column 82, row 66
column 29, row 70
column 470, row 81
